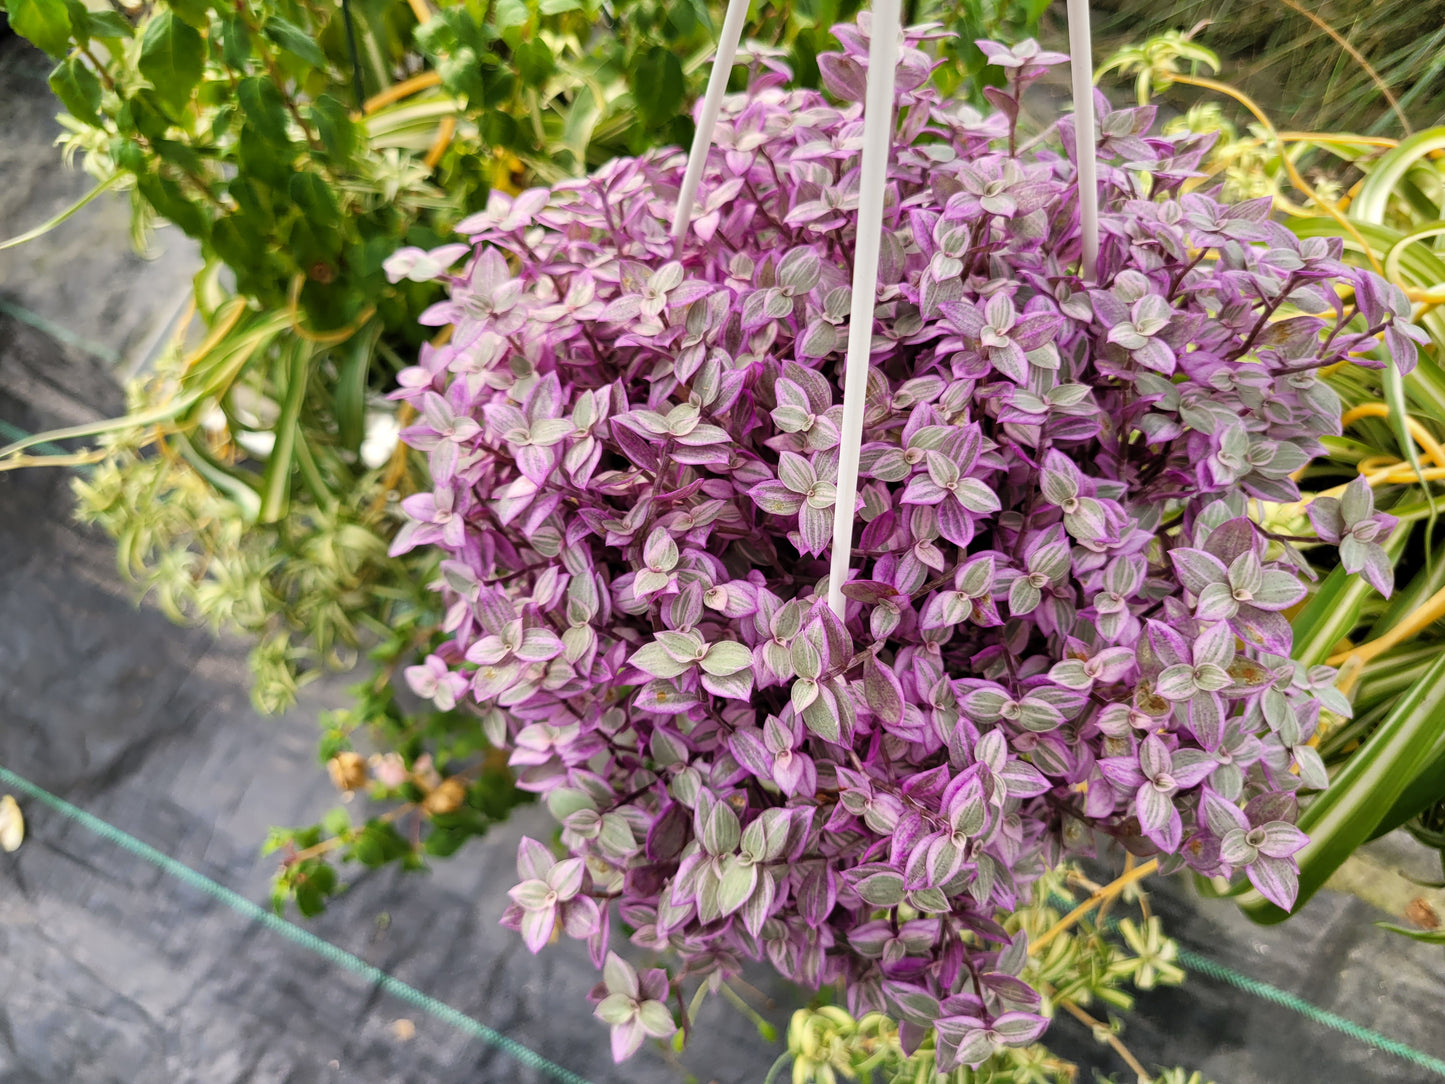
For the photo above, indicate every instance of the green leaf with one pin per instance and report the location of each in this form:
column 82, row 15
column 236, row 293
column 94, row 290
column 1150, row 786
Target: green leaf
column 559, row 7
column 78, row 90
column 334, row 126
column 235, row 43
column 144, row 111
column 445, row 842
column 1410, row 596
column 1342, row 816
column 108, row 26
column 180, row 154
column 337, row 822
column 1394, row 382
column 290, row 38
column 172, row 202
column 378, row 844
column 263, row 162
column 79, row 22
column 43, row 23
column 309, row 901
column 276, row 481
column 264, row 108
column 510, row 13
column 316, row 200
column 462, row 75
column 1429, row 937
column 172, row 58
column 658, row 86
column 1383, row 177
column 1423, row 791
column 534, row 61
column 349, row 400
column 194, row 12
column 233, row 241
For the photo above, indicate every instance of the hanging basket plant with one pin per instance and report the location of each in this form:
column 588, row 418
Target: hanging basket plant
column 1061, row 626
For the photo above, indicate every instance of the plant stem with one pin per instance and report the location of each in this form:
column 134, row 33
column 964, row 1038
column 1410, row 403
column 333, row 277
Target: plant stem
column 1430, row 611
column 397, row 91
column 1109, row 891
column 100, row 69
column 743, row 1007
column 1103, row 1033
column 1129, row 862
column 777, row 1067
column 328, row 845
column 1422, row 436
column 77, row 459
column 274, row 70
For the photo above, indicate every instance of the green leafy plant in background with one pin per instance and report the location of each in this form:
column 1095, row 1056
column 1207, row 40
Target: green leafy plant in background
column 1082, row 958
column 971, row 20
column 1384, row 199
column 1303, row 57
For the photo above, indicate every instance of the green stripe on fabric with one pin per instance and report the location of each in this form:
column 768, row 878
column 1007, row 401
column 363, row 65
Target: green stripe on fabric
column 59, row 333
column 1265, row 992
column 307, row 940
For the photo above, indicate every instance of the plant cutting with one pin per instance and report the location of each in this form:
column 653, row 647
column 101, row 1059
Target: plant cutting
column 1060, row 623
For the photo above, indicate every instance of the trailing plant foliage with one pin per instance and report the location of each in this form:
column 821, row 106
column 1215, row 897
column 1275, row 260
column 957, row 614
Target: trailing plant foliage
column 1380, row 198
column 967, row 22
column 253, row 486
column 299, row 147
column 1061, row 619
column 1091, row 963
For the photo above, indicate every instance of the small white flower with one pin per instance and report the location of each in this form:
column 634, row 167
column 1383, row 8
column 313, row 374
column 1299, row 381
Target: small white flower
column 418, row 265
column 382, row 433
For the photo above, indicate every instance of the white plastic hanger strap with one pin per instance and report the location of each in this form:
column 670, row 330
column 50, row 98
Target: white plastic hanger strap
column 717, row 85
column 1082, row 70
column 872, row 182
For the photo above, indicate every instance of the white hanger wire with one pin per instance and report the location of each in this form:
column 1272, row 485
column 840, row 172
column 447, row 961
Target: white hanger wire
column 877, row 135
column 1081, row 66
column 877, row 146
column 717, row 86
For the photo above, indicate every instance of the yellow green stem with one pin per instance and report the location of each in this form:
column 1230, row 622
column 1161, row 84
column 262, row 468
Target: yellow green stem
column 1422, row 436
column 1108, row 892
column 1430, row 611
